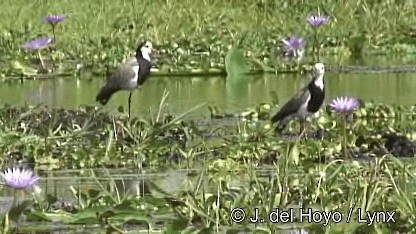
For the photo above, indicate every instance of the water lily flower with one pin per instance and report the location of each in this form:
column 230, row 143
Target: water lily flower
column 317, row 20
column 294, row 47
column 344, row 104
column 54, row 19
column 38, row 43
column 17, row 178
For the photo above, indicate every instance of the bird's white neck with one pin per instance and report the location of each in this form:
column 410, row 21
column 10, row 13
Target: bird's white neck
column 136, row 69
column 319, row 81
column 146, row 55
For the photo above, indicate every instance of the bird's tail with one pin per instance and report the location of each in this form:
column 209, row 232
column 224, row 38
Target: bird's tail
column 105, row 94
column 278, row 117
column 275, row 118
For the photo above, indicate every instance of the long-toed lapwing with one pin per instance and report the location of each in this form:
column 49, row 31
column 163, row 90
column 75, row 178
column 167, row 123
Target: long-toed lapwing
column 305, row 103
column 129, row 75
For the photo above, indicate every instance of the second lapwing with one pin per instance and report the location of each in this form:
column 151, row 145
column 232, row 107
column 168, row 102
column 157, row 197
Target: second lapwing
column 129, row 75
column 305, row 103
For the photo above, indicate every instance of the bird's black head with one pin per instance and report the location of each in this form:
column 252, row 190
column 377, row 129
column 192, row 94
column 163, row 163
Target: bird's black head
column 144, row 50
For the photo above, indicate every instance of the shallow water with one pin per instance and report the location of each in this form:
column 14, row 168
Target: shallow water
column 125, row 182
column 187, row 92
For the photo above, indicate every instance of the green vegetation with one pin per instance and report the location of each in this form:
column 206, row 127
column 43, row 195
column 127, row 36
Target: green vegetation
column 241, row 164
column 231, row 160
column 194, row 36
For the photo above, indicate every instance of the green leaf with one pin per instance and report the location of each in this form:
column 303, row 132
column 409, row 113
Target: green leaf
column 294, row 154
column 16, row 65
column 236, row 67
column 87, row 216
column 235, row 63
column 261, row 66
column 176, row 226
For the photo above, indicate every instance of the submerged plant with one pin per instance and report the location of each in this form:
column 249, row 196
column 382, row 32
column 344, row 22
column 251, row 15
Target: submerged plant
column 316, row 21
column 345, row 106
column 38, row 44
column 53, row 20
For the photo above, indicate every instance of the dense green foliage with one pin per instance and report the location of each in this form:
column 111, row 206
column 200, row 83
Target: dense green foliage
column 231, row 160
column 239, row 164
column 197, row 34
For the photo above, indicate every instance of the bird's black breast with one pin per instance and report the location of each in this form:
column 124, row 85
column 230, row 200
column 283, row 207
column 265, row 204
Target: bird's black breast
column 144, row 71
column 317, row 97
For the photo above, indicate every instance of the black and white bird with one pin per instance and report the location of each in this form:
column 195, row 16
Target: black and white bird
column 129, row 75
column 305, row 103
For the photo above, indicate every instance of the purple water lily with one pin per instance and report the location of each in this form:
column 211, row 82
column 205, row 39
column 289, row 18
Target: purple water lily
column 294, row 43
column 54, row 19
column 294, row 47
column 317, row 20
column 38, row 43
column 19, row 178
column 344, row 104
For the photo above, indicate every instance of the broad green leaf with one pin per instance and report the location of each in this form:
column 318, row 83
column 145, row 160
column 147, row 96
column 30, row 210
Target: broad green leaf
column 294, row 154
column 16, row 65
column 235, row 63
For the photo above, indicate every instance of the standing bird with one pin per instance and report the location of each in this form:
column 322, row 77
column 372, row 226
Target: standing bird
column 305, row 103
column 129, row 75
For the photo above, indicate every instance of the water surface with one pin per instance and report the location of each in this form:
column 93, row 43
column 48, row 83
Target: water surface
column 187, row 92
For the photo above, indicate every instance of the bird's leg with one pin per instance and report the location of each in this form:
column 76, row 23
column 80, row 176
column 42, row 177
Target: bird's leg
column 303, row 128
column 129, row 103
column 279, row 128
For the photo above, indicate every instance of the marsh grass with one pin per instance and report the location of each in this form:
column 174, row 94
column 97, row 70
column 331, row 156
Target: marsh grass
column 100, row 33
column 243, row 166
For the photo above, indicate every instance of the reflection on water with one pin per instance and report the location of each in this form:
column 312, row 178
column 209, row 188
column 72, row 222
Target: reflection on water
column 126, row 181
column 185, row 92
column 171, row 181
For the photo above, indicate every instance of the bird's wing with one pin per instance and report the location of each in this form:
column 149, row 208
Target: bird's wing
column 292, row 105
column 130, row 61
column 123, row 73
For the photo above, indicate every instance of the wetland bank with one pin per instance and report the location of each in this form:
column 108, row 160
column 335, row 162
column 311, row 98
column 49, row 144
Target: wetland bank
column 197, row 148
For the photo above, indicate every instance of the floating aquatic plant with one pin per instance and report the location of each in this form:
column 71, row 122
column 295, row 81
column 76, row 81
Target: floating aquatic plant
column 316, row 21
column 17, row 178
column 294, row 47
column 236, row 67
column 38, row 44
column 345, row 106
column 53, row 20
